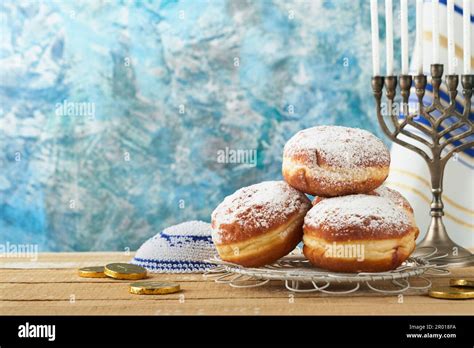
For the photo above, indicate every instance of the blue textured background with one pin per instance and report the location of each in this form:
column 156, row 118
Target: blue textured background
column 171, row 82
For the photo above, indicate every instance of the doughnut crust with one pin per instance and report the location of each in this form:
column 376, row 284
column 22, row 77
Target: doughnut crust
column 333, row 161
column 360, row 233
column 382, row 191
column 259, row 224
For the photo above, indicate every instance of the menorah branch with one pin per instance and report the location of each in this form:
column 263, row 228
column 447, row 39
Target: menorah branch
column 460, row 148
column 451, row 128
column 413, row 136
column 458, row 137
column 421, row 127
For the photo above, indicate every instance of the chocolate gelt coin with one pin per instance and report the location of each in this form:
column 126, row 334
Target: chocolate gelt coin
column 125, row 271
column 451, row 293
column 92, row 272
column 153, row 288
column 469, row 283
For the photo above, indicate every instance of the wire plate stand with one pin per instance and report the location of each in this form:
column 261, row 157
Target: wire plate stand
column 300, row 276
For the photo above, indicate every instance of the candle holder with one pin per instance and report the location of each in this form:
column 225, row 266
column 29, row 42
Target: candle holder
column 432, row 139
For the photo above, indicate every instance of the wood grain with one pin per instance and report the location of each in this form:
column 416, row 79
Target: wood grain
column 36, row 290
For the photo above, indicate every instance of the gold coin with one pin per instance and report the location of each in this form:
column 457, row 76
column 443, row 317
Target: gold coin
column 92, row 272
column 451, row 293
column 124, row 271
column 153, row 288
column 462, row 282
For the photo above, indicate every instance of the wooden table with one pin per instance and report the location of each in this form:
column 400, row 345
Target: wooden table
column 50, row 285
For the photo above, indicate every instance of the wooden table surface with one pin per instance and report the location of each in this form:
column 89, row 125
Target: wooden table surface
column 50, row 285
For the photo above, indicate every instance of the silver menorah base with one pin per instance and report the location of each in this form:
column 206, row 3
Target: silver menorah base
column 432, row 138
column 437, row 237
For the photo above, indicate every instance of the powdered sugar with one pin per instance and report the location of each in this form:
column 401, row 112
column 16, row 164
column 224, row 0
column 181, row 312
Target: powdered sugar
column 367, row 212
column 393, row 195
column 258, row 206
column 338, row 146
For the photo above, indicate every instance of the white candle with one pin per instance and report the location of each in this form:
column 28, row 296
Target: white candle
column 404, row 36
column 389, row 36
column 467, row 36
column 435, row 20
column 375, row 37
column 419, row 36
column 451, row 52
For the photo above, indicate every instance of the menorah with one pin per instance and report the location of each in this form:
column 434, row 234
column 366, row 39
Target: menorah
column 430, row 142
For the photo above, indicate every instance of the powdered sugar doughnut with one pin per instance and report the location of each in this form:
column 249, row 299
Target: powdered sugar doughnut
column 382, row 191
column 258, row 224
column 334, row 161
column 360, row 233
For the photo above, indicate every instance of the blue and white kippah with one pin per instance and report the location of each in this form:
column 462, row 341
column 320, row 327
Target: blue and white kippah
column 178, row 249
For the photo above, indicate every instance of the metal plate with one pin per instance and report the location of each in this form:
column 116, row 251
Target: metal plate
column 295, row 271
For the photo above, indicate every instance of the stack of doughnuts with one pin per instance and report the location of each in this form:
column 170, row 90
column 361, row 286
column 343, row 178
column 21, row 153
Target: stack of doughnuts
column 354, row 224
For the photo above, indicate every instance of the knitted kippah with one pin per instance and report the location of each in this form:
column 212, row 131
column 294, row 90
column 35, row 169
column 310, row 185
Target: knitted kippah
column 178, row 249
